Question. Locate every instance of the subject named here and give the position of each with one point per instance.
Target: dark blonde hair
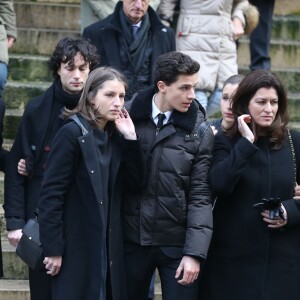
(245, 92)
(94, 83)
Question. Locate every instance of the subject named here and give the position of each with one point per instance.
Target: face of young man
(73, 74)
(135, 9)
(178, 95)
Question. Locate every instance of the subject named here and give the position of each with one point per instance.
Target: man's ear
(161, 86)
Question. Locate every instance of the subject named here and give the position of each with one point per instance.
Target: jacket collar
(141, 110)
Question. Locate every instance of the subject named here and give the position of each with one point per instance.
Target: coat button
(82, 141)
(111, 263)
(101, 202)
(92, 171)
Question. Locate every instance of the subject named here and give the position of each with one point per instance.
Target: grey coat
(7, 27)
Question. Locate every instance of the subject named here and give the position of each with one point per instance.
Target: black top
(104, 157)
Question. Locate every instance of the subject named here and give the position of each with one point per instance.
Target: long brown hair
(245, 92)
(94, 83)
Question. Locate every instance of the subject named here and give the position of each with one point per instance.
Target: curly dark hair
(246, 91)
(66, 50)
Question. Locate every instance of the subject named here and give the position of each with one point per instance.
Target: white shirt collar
(156, 112)
(139, 24)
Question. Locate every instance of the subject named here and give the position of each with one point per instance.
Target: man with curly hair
(71, 62)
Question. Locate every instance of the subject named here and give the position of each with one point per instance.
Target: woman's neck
(226, 125)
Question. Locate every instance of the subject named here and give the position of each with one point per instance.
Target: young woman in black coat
(255, 249)
(79, 204)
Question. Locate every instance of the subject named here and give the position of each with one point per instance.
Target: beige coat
(7, 27)
(204, 31)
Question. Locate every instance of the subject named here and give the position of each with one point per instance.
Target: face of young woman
(225, 104)
(263, 107)
(109, 100)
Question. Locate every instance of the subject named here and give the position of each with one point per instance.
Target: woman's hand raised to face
(125, 125)
(244, 129)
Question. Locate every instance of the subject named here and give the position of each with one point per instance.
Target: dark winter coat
(74, 222)
(174, 208)
(21, 192)
(106, 34)
(247, 260)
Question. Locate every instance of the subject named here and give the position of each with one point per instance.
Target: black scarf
(136, 47)
(64, 98)
(61, 99)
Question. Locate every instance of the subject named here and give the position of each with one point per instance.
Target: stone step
(13, 116)
(10, 126)
(19, 290)
(34, 69)
(28, 68)
(40, 41)
(286, 28)
(67, 16)
(39, 35)
(17, 93)
(157, 292)
(13, 266)
(1, 196)
(294, 108)
(289, 76)
(284, 54)
(47, 15)
(14, 289)
(287, 7)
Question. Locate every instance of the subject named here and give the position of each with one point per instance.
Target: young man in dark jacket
(169, 225)
(130, 40)
(70, 64)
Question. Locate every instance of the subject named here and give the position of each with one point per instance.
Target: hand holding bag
(29, 247)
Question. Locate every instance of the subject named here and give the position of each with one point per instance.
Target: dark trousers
(261, 35)
(141, 262)
(40, 285)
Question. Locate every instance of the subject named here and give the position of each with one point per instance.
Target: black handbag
(29, 247)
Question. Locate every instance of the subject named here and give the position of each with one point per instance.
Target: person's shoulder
(35, 100)
(97, 25)
(69, 130)
(295, 135)
(35, 103)
(157, 24)
(225, 138)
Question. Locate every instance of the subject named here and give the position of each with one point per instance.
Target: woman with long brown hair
(255, 249)
(79, 204)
